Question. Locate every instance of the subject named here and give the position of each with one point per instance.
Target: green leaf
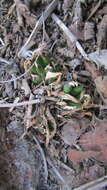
(39, 67)
(43, 61)
(76, 90)
(50, 125)
(34, 70)
(71, 103)
(67, 88)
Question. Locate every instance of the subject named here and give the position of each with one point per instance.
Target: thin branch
(42, 19)
(70, 36)
(94, 185)
(24, 103)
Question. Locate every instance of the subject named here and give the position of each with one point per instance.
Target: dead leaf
(50, 75)
(89, 32)
(101, 85)
(79, 156)
(25, 87)
(102, 32)
(77, 31)
(99, 57)
(93, 144)
(61, 103)
(71, 132)
(92, 69)
(23, 12)
(95, 140)
(92, 173)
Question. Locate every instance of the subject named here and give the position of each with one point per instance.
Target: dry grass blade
(94, 185)
(44, 16)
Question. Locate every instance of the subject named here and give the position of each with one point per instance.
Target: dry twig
(24, 103)
(94, 185)
(69, 35)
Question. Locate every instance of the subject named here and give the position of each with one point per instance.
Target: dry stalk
(24, 103)
(42, 19)
(94, 185)
(70, 36)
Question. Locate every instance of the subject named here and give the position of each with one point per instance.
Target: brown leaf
(89, 32)
(92, 69)
(96, 140)
(93, 143)
(79, 156)
(102, 157)
(102, 32)
(71, 132)
(101, 85)
(92, 173)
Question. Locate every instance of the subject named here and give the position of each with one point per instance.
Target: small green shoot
(39, 69)
(74, 91)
